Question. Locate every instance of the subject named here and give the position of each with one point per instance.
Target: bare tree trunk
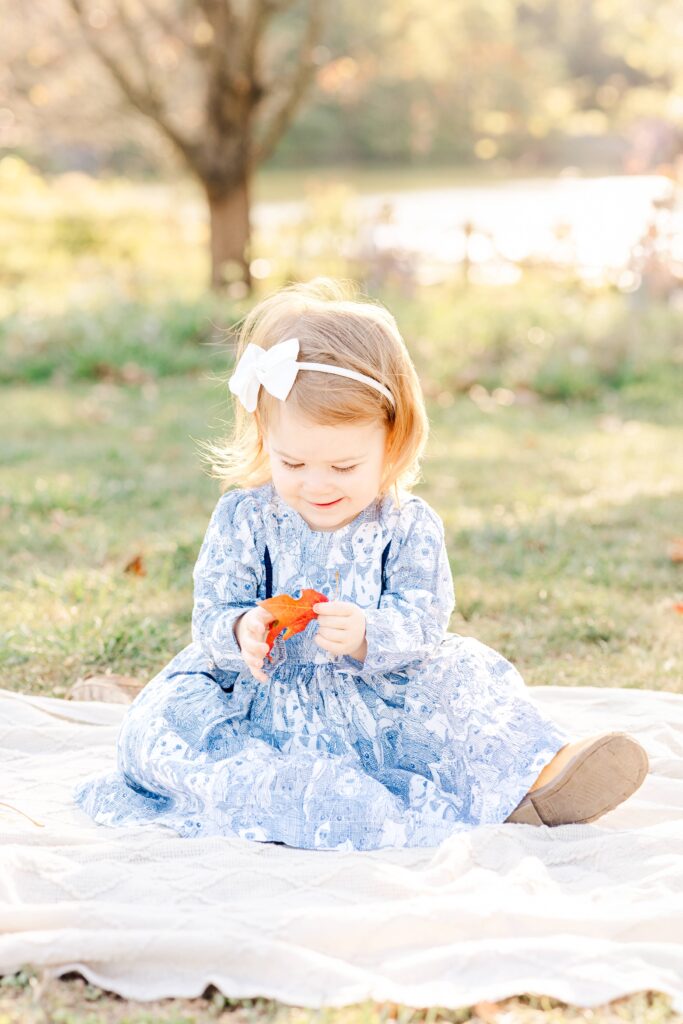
(223, 150)
(230, 236)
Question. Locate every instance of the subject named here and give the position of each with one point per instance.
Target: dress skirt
(431, 734)
(325, 761)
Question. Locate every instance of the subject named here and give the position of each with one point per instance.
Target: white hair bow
(276, 369)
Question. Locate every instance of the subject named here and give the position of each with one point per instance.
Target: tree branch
(293, 92)
(147, 102)
(225, 85)
(215, 10)
(255, 22)
(170, 27)
(278, 6)
(133, 38)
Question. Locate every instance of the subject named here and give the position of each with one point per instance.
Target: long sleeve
(226, 577)
(416, 606)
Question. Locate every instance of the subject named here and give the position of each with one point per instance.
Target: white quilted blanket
(583, 913)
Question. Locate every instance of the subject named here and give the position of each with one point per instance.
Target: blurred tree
(535, 82)
(236, 109)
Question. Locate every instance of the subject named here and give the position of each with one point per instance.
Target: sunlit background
(506, 175)
(403, 143)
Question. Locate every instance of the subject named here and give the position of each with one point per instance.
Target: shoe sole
(596, 780)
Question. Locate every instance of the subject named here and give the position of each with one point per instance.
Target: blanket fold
(582, 913)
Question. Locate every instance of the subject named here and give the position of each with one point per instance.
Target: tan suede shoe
(596, 780)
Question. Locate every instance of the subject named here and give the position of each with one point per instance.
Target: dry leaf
(676, 550)
(291, 614)
(136, 566)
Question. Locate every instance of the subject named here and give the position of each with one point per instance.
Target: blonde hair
(332, 327)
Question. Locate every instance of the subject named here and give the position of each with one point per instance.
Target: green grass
(131, 341)
(558, 518)
(28, 998)
(555, 460)
(560, 341)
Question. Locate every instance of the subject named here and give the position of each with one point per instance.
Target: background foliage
(534, 82)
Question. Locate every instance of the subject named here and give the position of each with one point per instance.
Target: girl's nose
(320, 490)
(319, 482)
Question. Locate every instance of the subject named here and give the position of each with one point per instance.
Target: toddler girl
(374, 727)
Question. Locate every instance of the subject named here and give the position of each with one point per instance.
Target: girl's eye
(298, 465)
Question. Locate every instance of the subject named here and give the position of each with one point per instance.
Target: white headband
(276, 368)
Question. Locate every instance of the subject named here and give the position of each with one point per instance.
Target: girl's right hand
(250, 630)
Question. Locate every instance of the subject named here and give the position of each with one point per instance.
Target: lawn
(555, 459)
(560, 520)
(28, 998)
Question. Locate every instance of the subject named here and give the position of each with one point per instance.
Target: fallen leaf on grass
(676, 550)
(136, 566)
(291, 614)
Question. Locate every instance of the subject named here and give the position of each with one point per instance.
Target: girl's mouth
(326, 504)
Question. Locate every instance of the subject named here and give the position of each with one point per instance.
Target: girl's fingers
(255, 647)
(256, 670)
(334, 619)
(329, 645)
(255, 652)
(328, 608)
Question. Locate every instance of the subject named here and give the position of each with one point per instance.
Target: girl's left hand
(341, 627)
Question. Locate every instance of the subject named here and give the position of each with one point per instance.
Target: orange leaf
(678, 607)
(291, 614)
(136, 566)
(676, 550)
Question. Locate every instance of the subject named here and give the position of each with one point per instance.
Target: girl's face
(328, 474)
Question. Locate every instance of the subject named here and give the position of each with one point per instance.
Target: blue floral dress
(432, 734)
